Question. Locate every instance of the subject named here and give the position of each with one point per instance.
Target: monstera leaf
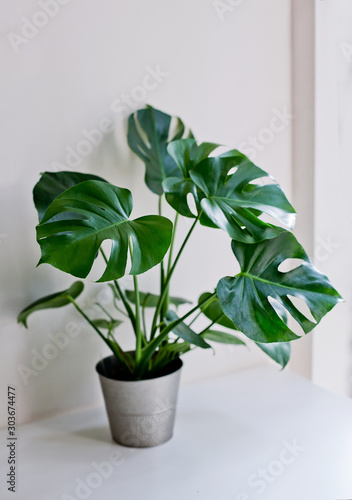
(245, 297)
(52, 301)
(149, 133)
(51, 184)
(100, 211)
(232, 201)
(187, 154)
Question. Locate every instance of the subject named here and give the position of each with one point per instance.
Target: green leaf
(279, 352)
(51, 184)
(187, 154)
(52, 301)
(222, 337)
(151, 300)
(184, 332)
(100, 211)
(107, 324)
(231, 200)
(212, 310)
(149, 133)
(245, 297)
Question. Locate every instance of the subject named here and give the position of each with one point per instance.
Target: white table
(257, 434)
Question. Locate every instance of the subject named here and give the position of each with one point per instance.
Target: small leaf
(222, 337)
(54, 300)
(107, 324)
(278, 351)
(212, 310)
(151, 300)
(184, 332)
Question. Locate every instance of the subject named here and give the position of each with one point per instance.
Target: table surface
(260, 433)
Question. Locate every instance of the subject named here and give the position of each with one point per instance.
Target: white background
(227, 77)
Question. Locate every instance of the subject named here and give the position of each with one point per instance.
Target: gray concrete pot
(141, 413)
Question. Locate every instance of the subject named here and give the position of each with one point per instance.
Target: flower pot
(141, 413)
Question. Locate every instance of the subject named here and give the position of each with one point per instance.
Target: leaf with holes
(100, 211)
(245, 297)
(232, 202)
(187, 154)
(51, 184)
(149, 133)
(52, 301)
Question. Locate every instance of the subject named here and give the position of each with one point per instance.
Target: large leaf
(245, 297)
(232, 201)
(184, 332)
(151, 300)
(51, 184)
(52, 301)
(100, 211)
(149, 133)
(278, 351)
(187, 154)
(222, 337)
(212, 310)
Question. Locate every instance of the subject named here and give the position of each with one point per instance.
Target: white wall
(227, 78)
(332, 346)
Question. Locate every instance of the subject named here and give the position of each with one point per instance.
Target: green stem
(195, 317)
(148, 351)
(168, 278)
(172, 244)
(116, 349)
(122, 296)
(104, 310)
(139, 333)
(211, 324)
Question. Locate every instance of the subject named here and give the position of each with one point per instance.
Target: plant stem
(211, 324)
(172, 243)
(122, 296)
(195, 317)
(116, 349)
(104, 310)
(139, 333)
(148, 351)
(168, 278)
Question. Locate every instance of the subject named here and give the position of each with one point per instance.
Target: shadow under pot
(141, 412)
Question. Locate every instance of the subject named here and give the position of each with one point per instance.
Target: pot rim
(177, 361)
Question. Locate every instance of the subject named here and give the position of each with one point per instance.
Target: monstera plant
(219, 190)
